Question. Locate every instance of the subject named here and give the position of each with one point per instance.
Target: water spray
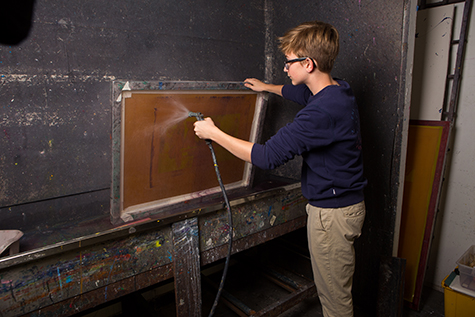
(199, 117)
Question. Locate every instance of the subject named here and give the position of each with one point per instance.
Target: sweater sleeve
(275, 152)
(299, 94)
(257, 156)
(310, 129)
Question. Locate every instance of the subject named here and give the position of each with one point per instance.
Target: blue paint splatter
(59, 278)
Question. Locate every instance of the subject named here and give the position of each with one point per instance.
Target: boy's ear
(311, 65)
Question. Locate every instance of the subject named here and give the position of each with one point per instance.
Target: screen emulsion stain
(162, 157)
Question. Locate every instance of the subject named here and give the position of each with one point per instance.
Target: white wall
(455, 224)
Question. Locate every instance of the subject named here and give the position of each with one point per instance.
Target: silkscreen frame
(169, 206)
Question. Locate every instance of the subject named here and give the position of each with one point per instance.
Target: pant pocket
(354, 219)
(320, 218)
(355, 210)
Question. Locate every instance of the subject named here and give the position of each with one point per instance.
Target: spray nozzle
(197, 115)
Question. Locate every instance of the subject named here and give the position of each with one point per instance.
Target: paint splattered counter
(69, 277)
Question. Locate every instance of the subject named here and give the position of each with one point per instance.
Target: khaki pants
(331, 233)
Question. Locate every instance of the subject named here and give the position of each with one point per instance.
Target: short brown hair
(317, 40)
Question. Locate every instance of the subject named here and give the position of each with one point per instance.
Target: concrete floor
(164, 305)
(432, 305)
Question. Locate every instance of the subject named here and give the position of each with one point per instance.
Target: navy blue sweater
(327, 135)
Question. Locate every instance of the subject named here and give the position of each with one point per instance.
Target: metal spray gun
(197, 115)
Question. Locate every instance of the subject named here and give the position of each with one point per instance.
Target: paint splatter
(59, 278)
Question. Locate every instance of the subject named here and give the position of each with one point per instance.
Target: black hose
(199, 117)
(230, 220)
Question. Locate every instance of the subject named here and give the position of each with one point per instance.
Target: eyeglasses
(289, 62)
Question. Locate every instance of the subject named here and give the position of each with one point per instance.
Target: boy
(326, 134)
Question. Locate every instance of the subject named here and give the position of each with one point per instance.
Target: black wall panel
(55, 92)
(55, 138)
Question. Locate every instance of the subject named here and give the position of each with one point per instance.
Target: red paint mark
(133, 223)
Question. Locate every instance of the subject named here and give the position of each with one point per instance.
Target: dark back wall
(55, 95)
